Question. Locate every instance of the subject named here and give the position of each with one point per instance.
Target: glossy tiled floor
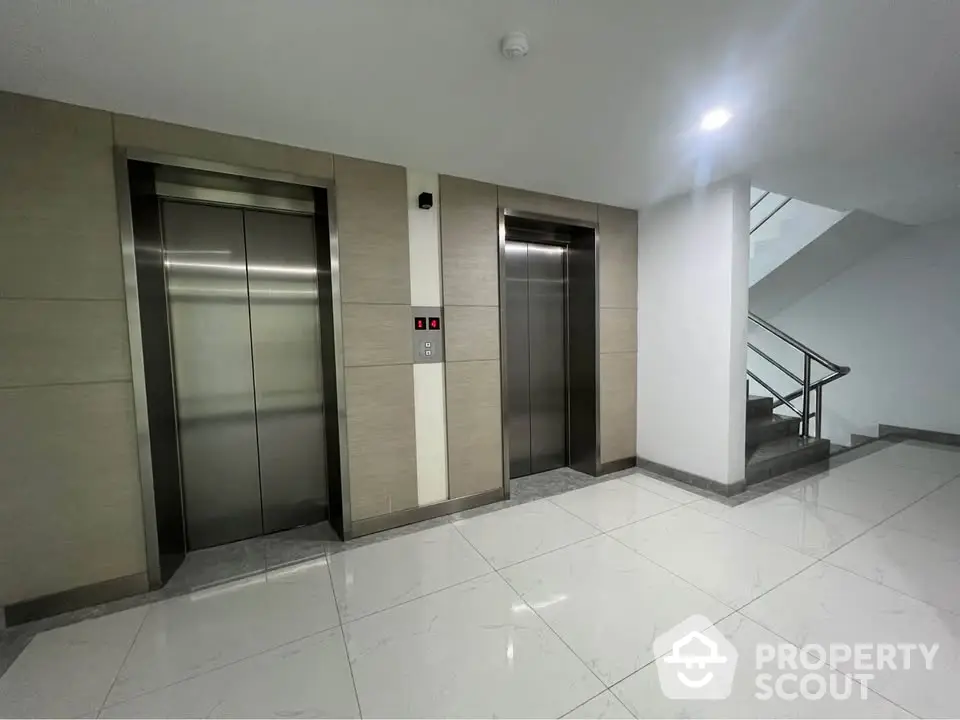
(547, 608)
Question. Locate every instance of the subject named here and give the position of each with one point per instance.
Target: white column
(692, 265)
(428, 378)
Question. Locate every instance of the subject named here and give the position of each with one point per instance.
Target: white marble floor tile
(660, 487)
(473, 650)
(921, 456)
(922, 568)
(732, 564)
(608, 603)
(196, 633)
(518, 533)
(68, 671)
(934, 517)
(604, 706)
(309, 678)
(855, 497)
(825, 604)
(873, 472)
(378, 576)
(612, 504)
(642, 695)
(807, 527)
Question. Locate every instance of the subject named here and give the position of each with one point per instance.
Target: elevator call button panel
(427, 335)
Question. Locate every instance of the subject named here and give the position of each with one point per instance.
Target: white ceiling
(848, 103)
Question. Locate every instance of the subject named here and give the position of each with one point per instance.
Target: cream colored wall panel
(474, 435)
(377, 335)
(469, 241)
(231, 149)
(473, 333)
(373, 232)
(59, 235)
(429, 401)
(70, 513)
(424, 230)
(514, 199)
(62, 341)
(618, 330)
(381, 434)
(618, 406)
(618, 257)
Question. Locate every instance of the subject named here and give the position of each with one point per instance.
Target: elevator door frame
(583, 357)
(133, 246)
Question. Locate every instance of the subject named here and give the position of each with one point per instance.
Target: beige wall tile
(469, 242)
(59, 235)
(473, 333)
(618, 406)
(618, 257)
(62, 341)
(70, 513)
(373, 232)
(377, 335)
(514, 199)
(474, 435)
(618, 330)
(231, 149)
(382, 440)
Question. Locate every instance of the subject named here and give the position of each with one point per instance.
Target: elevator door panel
(548, 368)
(210, 330)
(285, 330)
(518, 359)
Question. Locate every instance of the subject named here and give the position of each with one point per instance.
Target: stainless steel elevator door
(244, 318)
(213, 369)
(536, 357)
(285, 331)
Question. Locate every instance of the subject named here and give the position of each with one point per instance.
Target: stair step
(771, 427)
(758, 406)
(777, 457)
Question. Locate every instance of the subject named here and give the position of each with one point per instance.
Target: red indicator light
(419, 323)
(434, 323)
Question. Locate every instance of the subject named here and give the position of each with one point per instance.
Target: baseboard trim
(49, 605)
(368, 526)
(698, 481)
(617, 465)
(933, 436)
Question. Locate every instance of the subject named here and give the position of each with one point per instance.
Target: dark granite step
(777, 457)
(759, 406)
(771, 427)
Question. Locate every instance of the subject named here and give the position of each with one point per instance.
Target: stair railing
(808, 386)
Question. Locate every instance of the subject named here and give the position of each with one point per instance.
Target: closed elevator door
(536, 357)
(242, 289)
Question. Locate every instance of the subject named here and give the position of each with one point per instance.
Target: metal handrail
(807, 385)
(777, 209)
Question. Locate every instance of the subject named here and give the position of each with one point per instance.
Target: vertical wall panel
(618, 257)
(514, 199)
(618, 406)
(469, 242)
(474, 436)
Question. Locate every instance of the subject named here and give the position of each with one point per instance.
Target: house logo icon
(695, 661)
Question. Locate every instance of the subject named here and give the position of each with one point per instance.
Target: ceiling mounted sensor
(514, 45)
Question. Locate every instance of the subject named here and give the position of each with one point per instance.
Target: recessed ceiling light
(715, 119)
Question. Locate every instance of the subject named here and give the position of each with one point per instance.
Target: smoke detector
(514, 45)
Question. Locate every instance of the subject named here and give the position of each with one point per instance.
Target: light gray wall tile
(618, 406)
(473, 333)
(514, 199)
(70, 513)
(618, 257)
(381, 439)
(618, 330)
(63, 341)
(59, 234)
(218, 147)
(474, 435)
(377, 335)
(373, 232)
(469, 242)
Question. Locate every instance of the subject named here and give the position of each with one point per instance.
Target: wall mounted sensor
(514, 45)
(425, 201)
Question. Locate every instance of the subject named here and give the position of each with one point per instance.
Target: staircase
(774, 443)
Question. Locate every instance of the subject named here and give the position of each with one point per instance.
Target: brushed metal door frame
(517, 350)
(587, 247)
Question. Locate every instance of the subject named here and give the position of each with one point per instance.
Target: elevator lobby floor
(550, 607)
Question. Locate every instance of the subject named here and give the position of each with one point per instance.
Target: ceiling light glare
(715, 119)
